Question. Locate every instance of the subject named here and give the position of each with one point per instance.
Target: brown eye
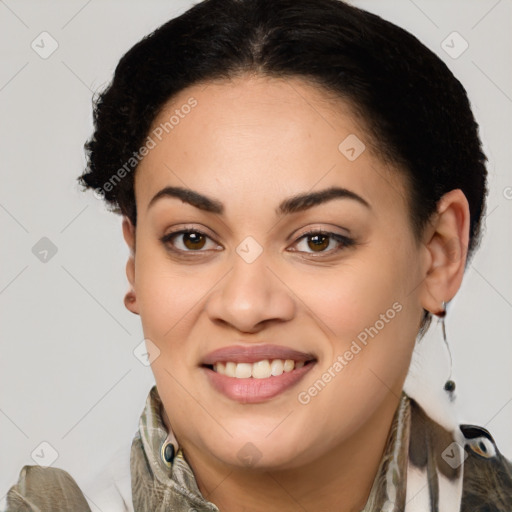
(318, 242)
(193, 240)
(322, 242)
(188, 240)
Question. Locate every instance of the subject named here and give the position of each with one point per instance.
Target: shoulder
(47, 488)
(487, 473)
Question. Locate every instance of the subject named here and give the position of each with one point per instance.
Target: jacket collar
(156, 485)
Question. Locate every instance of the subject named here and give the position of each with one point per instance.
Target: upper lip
(252, 354)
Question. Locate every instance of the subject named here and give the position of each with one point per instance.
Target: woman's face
(248, 279)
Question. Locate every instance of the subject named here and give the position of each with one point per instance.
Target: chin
(260, 454)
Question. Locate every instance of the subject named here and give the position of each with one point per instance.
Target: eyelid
(320, 229)
(180, 228)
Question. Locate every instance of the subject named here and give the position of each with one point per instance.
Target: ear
(446, 242)
(130, 299)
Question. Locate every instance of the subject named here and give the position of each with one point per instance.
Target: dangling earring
(449, 385)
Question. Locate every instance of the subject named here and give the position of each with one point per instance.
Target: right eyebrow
(189, 196)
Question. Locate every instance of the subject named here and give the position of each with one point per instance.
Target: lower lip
(251, 390)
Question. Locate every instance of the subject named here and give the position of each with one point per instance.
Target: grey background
(68, 375)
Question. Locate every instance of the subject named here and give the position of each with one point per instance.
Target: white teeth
(230, 369)
(289, 365)
(276, 368)
(259, 370)
(243, 370)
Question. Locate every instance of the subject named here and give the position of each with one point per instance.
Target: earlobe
(130, 302)
(447, 243)
(130, 299)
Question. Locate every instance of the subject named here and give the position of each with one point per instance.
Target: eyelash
(345, 242)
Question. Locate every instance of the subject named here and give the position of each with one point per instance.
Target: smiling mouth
(263, 369)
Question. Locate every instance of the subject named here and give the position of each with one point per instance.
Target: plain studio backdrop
(68, 374)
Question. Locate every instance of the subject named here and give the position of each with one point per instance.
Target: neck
(338, 480)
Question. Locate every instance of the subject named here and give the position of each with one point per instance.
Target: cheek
(368, 315)
(352, 296)
(166, 295)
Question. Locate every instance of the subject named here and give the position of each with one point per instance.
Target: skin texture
(250, 143)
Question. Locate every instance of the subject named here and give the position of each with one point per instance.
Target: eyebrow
(293, 204)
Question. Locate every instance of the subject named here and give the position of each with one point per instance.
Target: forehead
(262, 137)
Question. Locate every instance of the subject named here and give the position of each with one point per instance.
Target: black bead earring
(449, 385)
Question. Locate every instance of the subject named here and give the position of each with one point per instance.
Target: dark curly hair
(416, 112)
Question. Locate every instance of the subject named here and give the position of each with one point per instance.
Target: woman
(302, 184)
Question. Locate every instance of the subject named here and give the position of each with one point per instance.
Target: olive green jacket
(424, 468)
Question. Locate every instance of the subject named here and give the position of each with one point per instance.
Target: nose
(250, 297)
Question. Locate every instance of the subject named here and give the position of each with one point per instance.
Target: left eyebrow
(293, 204)
(302, 202)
